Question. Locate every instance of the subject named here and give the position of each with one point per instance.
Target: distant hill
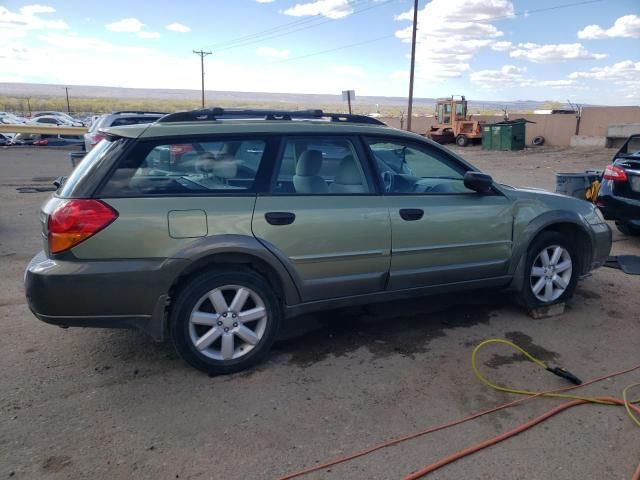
(298, 99)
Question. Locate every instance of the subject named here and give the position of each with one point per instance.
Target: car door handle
(410, 214)
(280, 218)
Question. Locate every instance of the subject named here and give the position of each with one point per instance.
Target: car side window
(410, 168)
(320, 165)
(190, 167)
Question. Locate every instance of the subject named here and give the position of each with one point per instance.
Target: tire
(531, 295)
(627, 229)
(462, 141)
(537, 141)
(226, 343)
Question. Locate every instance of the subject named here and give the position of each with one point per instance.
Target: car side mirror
(478, 182)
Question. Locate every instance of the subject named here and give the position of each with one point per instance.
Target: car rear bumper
(620, 209)
(113, 294)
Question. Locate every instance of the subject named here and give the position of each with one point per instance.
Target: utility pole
(413, 63)
(66, 89)
(349, 100)
(202, 55)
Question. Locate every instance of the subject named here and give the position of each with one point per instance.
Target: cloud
(265, 1)
(272, 52)
(18, 24)
(148, 35)
(30, 10)
(501, 46)
(627, 26)
(625, 75)
(553, 53)
(566, 83)
(333, 9)
(507, 76)
(347, 70)
(451, 32)
(127, 25)
(178, 27)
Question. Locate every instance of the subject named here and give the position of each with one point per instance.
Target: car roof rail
(138, 112)
(217, 113)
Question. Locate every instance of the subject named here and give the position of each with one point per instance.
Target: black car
(619, 195)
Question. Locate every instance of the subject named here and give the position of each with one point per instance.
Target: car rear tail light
(41, 143)
(73, 221)
(96, 138)
(615, 173)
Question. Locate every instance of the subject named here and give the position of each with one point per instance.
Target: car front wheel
(551, 271)
(223, 322)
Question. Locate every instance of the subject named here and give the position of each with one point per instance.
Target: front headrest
(225, 166)
(348, 172)
(309, 163)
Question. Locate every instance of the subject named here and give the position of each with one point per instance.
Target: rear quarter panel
(142, 227)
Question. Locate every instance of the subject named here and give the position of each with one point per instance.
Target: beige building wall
(556, 129)
(596, 120)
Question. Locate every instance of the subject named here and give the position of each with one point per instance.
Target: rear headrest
(348, 172)
(309, 163)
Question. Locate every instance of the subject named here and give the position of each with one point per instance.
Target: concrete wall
(596, 120)
(556, 129)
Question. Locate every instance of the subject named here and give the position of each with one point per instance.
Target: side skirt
(385, 296)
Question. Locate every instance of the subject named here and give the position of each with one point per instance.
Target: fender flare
(244, 245)
(531, 231)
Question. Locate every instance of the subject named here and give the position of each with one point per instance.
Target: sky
(583, 51)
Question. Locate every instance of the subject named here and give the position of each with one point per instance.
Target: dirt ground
(104, 404)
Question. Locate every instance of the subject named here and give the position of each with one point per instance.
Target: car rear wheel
(223, 322)
(627, 229)
(551, 271)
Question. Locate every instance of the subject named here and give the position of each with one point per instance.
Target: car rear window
(198, 166)
(118, 122)
(89, 164)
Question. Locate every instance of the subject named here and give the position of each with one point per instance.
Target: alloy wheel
(551, 273)
(228, 322)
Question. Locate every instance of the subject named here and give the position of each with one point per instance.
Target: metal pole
(202, 55)
(413, 63)
(66, 89)
(349, 100)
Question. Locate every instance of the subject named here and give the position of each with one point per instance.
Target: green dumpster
(507, 135)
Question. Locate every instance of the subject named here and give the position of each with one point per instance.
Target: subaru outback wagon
(208, 227)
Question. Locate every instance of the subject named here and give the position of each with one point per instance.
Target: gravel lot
(107, 404)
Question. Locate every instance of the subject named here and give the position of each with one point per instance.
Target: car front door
(442, 232)
(324, 218)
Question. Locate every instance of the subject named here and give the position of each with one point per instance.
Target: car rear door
(324, 218)
(442, 232)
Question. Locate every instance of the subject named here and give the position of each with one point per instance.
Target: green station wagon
(208, 227)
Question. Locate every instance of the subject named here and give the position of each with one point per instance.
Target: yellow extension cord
(544, 366)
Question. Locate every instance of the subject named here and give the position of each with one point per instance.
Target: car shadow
(402, 327)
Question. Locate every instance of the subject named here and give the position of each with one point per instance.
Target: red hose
(511, 433)
(411, 436)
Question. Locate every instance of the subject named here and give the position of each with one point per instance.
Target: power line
(301, 28)
(300, 57)
(202, 55)
(376, 39)
(298, 22)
